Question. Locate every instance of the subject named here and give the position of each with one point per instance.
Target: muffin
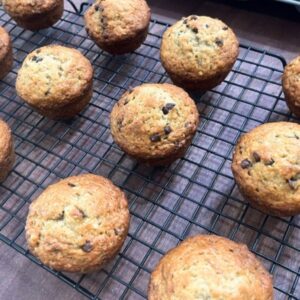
(118, 26)
(199, 52)
(291, 85)
(6, 55)
(78, 224)
(154, 123)
(34, 15)
(210, 267)
(7, 153)
(64, 78)
(266, 167)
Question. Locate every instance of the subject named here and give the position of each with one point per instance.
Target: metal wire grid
(196, 194)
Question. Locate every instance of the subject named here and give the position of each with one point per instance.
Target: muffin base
(6, 165)
(122, 46)
(199, 85)
(41, 21)
(67, 111)
(163, 160)
(6, 63)
(291, 210)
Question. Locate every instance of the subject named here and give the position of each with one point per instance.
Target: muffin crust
(210, 267)
(118, 26)
(199, 52)
(155, 123)
(266, 168)
(291, 85)
(78, 224)
(64, 77)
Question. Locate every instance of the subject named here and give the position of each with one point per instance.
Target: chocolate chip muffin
(291, 85)
(7, 153)
(78, 224)
(34, 14)
(64, 78)
(118, 26)
(210, 267)
(6, 55)
(155, 123)
(198, 52)
(266, 167)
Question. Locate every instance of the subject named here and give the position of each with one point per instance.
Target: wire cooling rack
(196, 194)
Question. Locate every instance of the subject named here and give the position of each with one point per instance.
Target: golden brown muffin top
(78, 223)
(4, 43)
(114, 20)
(210, 267)
(61, 74)
(266, 163)
(5, 140)
(199, 46)
(291, 81)
(153, 120)
(26, 8)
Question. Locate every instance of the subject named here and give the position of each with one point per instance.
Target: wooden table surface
(20, 278)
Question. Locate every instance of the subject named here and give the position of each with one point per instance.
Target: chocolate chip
(167, 129)
(293, 183)
(87, 247)
(270, 162)
(126, 101)
(256, 156)
(71, 184)
(193, 17)
(97, 7)
(225, 28)
(120, 123)
(47, 92)
(106, 36)
(117, 231)
(130, 89)
(38, 51)
(87, 30)
(195, 29)
(61, 216)
(36, 59)
(206, 25)
(169, 106)
(246, 163)
(185, 21)
(155, 138)
(219, 42)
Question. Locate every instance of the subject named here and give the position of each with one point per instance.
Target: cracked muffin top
(291, 85)
(199, 47)
(266, 166)
(78, 224)
(5, 43)
(61, 74)
(115, 20)
(210, 267)
(153, 121)
(24, 8)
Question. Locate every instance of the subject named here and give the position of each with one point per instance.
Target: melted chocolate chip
(195, 29)
(225, 28)
(167, 129)
(169, 106)
(256, 156)
(219, 42)
(71, 184)
(270, 162)
(155, 138)
(246, 163)
(293, 183)
(61, 216)
(36, 59)
(87, 247)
